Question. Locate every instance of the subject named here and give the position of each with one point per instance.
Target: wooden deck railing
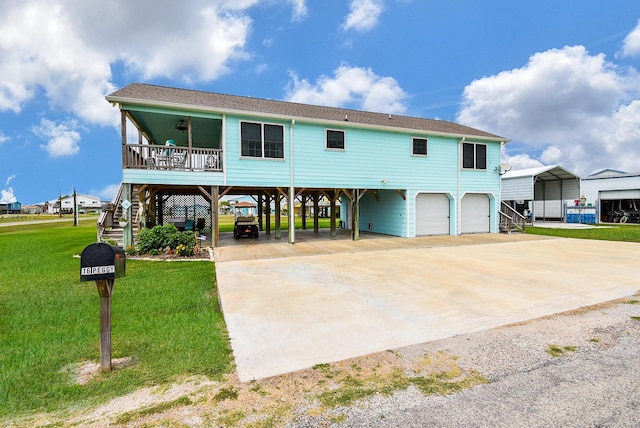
(147, 156)
(510, 219)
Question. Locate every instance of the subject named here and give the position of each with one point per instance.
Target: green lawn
(627, 232)
(226, 223)
(165, 317)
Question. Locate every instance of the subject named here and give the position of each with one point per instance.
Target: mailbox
(102, 261)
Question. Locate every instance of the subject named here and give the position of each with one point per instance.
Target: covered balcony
(158, 141)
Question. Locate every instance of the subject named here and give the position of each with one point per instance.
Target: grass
(226, 223)
(352, 387)
(628, 233)
(165, 317)
(559, 351)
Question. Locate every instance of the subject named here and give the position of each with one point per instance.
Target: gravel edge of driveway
(597, 384)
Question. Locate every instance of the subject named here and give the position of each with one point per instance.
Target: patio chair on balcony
(164, 156)
(211, 162)
(179, 160)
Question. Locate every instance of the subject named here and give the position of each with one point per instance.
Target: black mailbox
(101, 261)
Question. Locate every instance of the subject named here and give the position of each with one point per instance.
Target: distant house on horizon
(86, 204)
(10, 208)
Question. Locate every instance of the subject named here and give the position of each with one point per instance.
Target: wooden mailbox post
(103, 263)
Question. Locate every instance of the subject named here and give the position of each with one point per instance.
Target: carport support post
(355, 206)
(332, 212)
(303, 211)
(278, 215)
(105, 289)
(215, 217)
(267, 214)
(316, 203)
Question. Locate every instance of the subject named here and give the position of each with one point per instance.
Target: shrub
(160, 237)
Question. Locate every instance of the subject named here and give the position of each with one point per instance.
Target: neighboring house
(541, 193)
(394, 175)
(244, 208)
(10, 208)
(86, 204)
(32, 209)
(612, 192)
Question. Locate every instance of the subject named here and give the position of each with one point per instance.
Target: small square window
(420, 146)
(334, 139)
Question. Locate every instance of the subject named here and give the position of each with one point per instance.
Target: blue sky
(561, 80)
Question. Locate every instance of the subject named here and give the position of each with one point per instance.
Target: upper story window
(261, 140)
(419, 146)
(474, 156)
(334, 139)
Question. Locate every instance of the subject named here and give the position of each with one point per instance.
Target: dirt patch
(84, 372)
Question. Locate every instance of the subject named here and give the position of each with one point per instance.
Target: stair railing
(510, 218)
(106, 218)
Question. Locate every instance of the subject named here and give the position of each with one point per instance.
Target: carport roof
(542, 173)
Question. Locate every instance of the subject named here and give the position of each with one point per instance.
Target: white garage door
(475, 213)
(432, 214)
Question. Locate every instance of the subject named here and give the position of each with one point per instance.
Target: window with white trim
(261, 140)
(419, 147)
(474, 156)
(334, 139)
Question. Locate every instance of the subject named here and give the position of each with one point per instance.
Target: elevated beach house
(183, 150)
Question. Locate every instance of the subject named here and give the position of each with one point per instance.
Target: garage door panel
(432, 214)
(475, 210)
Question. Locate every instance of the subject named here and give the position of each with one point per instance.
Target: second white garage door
(475, 213)
(432, 214)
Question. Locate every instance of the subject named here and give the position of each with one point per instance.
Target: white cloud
(363, 15)
(63, 138)
(7, 196)
(576, 109)
(352, 87)
(64, 50)
(521, 161)
(3, 138)
(631, 44)
(107, 193)
(299, 9)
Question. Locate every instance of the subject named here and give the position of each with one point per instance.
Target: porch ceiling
(161, 127)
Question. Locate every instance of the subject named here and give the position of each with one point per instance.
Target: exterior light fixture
(181, 126)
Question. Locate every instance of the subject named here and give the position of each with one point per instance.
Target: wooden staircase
(108, 222)
(511, 220)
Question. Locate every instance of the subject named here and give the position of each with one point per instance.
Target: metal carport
(540, 191)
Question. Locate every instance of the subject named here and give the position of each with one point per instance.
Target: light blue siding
(387, 214)
(181, 178)
(254, 172)
(375, 159)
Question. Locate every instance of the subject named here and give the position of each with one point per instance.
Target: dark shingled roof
(138, 93)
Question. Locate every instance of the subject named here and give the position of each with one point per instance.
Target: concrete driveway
(288, 307)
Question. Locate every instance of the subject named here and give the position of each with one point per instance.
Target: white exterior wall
(517, 189)
(591, 188)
